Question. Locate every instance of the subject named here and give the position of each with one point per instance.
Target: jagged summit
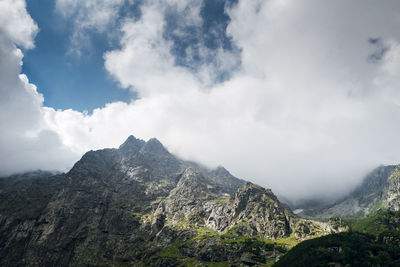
(154, 146)
(254, 190)
(220, 170)
(132, 144)
(155, 142)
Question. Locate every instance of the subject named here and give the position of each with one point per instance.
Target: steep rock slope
(139, 205)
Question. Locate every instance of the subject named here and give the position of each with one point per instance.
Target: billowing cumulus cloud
(17, 26)
(310, 106)
(25, 142)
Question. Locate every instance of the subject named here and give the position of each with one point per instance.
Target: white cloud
(16, 25)
(25, 143)
(145, 51)
(307, 113)
(387, 80)
(90, 15)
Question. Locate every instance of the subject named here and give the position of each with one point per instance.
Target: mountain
(379, 190)
(139, 205)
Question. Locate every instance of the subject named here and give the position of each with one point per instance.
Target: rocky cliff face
(139, 205)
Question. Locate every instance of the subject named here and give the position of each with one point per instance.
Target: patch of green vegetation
(262, 252)
(207, 197)
(318, 219)
(228, 235)
(253, 246)
(229, 239)
(268, 200)
(288, 242)
(146, 217)
(269, 263)
(234, 236)
(191, 262)
(291, 241)
(252, 242)
(206, 231)
(339, 224)
(378, 206)
(182, 224)
(352, 216)
(231, 231)
(220, 200)
(359, 214)
(236, 230)
(395, 174)
(171, 251)
(381, 222)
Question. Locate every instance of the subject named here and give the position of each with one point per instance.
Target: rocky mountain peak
(153, 146)
(131, 145)
(251, 197)
(220, 170)
(95, 164)
(253, 192)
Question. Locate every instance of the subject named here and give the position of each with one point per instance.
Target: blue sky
(68, 80)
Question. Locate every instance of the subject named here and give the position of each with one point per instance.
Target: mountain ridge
(140, 205)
